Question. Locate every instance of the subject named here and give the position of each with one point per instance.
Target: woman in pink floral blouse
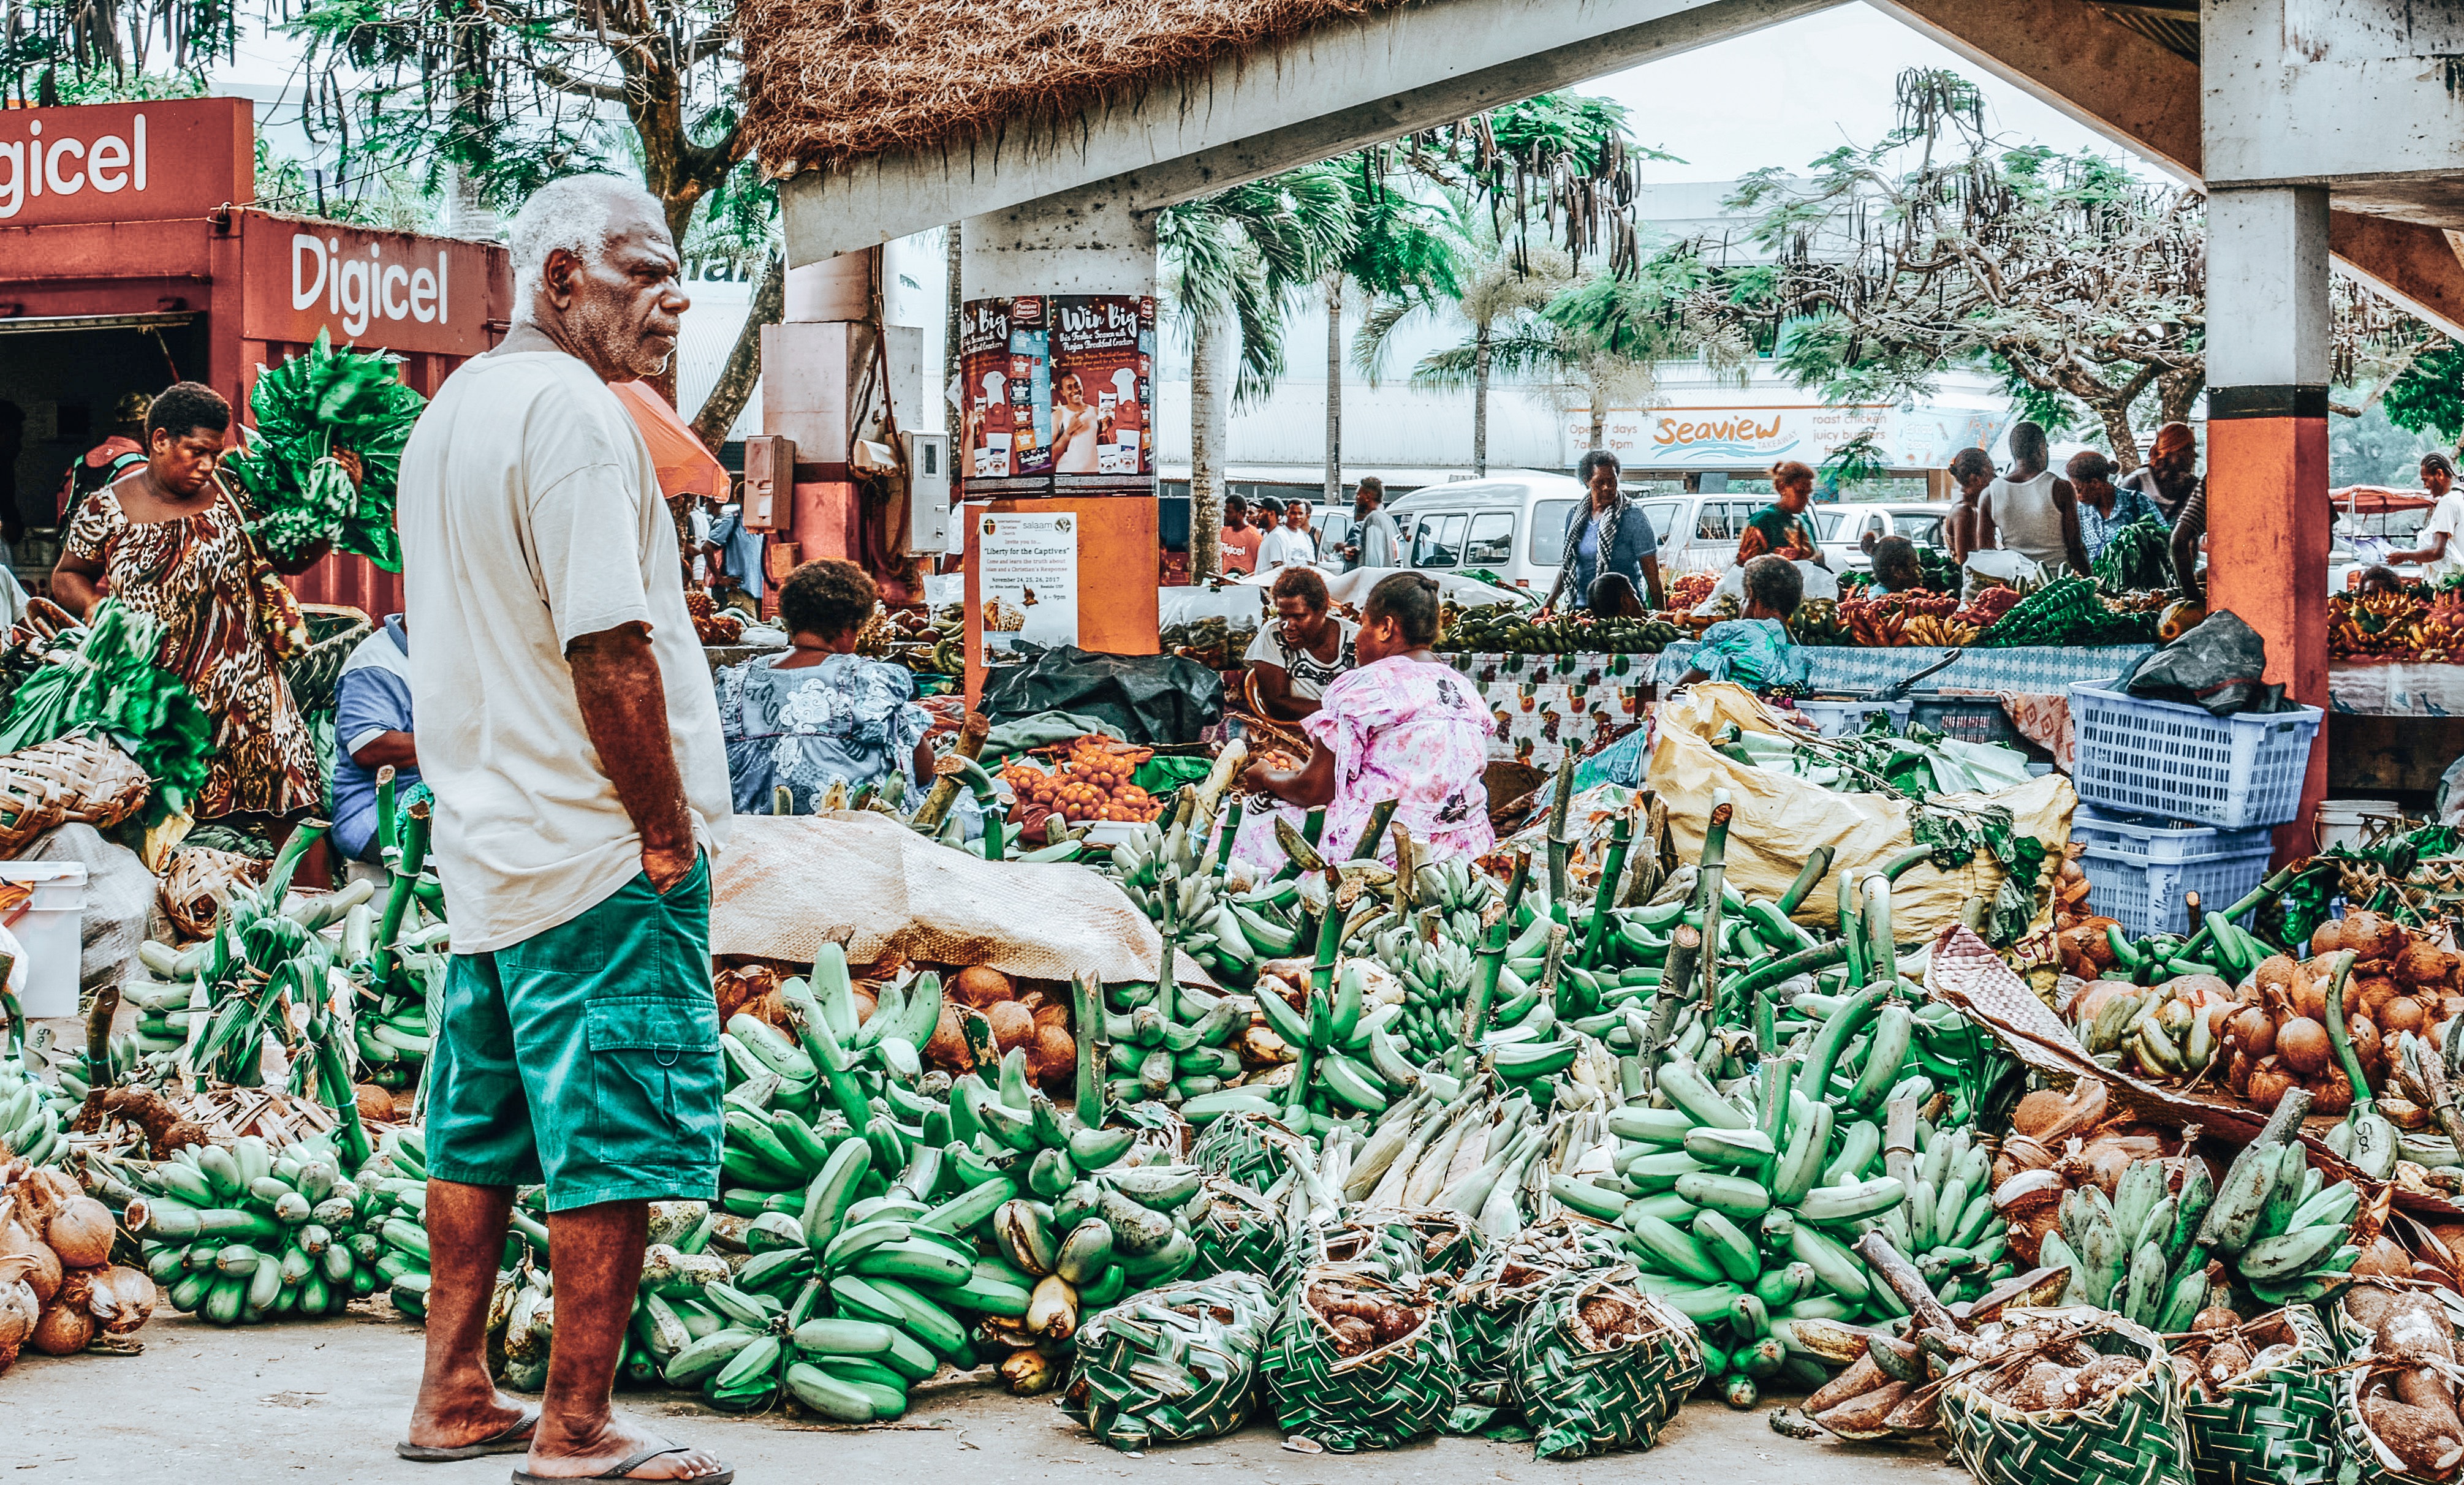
(1403, 725)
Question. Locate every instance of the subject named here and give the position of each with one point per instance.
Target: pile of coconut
(59, 1291)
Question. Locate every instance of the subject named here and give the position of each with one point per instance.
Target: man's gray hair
(572, 214)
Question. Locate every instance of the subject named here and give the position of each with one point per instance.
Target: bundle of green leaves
(108, 682)
(317, 416)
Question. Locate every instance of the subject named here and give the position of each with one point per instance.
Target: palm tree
(1604, 334)
(1399, 252)
(1238, 260)
(1501, 289)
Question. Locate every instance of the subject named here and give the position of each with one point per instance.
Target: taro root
(1353, 1335)
(1865, 1416)
(2044, 1386)
(1861, 1377)
(2421, 1441)
(2383, 1257)
(2226, 1359)
(2215, 1317)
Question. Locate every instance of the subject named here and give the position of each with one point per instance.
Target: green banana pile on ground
(252, 1233)
(33, 1114)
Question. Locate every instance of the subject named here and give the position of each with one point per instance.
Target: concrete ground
(325, 1401)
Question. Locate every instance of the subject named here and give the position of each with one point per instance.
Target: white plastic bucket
(52, 929)
(2345, 821)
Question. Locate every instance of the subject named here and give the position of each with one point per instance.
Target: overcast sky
(1779, 97)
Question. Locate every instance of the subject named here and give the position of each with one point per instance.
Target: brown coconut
(948, 1047)
(81, 1232)
(1013, 1024)
(1053, 1055)
(982, 986)
(122, 1300)
(64, 1330)
(2303, 1047)
(2331, 1093)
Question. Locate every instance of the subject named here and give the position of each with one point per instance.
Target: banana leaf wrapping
(1176, 1362)
(1492, 1299)
(2363, 1459)
(1331, 1380)
(2271, 1427)
(1238, 1231)
(1403, 1243)
(1598, 1364)
(1250, 1148)
(2135, 1436)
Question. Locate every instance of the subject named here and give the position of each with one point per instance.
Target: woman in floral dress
(170, 540)
(818, 713)
(1404, 726)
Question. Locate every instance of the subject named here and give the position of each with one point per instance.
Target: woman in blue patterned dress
(819, 712)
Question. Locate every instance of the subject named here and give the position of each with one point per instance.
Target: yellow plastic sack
(1779, 820)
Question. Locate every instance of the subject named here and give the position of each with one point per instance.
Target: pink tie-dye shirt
(1402, 729)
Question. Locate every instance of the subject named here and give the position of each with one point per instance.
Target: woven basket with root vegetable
(1598, 1364)
(1254, 1149)
(1359, 1361)
(1401, 1243)
(2069, 1397)
(2261, 1404)
(1172, 1364)
(2395, 1402)
(1486, 1309)
(1238, 1231)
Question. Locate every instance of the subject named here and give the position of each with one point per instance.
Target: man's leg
(595, 1254)
(458, 1402)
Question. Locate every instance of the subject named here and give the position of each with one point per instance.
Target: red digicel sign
(394, 289)
(125, 162)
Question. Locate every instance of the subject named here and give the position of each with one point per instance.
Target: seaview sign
(1731, 438)
(124, 162)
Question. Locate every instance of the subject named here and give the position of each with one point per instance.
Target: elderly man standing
(568, 729)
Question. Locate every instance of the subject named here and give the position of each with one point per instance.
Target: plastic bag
(1151, 698)
(2218, 667)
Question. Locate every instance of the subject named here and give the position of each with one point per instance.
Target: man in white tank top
(2032, 511)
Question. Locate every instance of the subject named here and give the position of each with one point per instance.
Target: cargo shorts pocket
(655, 1081)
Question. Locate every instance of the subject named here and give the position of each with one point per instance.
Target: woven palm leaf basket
(334, 631)
(1253, 1150)
(2372, 1452)
(2010, 1423)
(1238, 1231)
(2271, 1423)
(1358, 1360)
(1598, 1364)
(1493, 1298)
(1176, 1362)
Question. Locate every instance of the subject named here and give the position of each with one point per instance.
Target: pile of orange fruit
(1094, 782)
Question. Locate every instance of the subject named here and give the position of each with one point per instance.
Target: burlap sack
(786, 884)
(1779, 820)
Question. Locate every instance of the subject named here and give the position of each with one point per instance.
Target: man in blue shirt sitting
(372, 724)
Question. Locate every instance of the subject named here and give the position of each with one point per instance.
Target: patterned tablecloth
(2036, 668)
(2401, 689)
(1545, 704)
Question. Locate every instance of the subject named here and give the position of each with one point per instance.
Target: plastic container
(2346, 822)
(1969, 718)
(2138, 868)
(1835, 717)
(2177, 762)
(52, 929)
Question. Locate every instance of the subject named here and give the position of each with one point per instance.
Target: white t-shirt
(1310, 675)
(2448, 515)
(1284, 547)
(531, 515)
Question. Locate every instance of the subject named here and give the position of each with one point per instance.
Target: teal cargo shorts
(586, 1057)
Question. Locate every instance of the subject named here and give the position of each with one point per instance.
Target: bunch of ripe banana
(252, 1233)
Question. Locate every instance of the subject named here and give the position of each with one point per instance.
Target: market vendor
(1607, 534)
(2170, 476)
(1896, 568)
(2031, 509)
(2105, 506)
(1972, 471)
(1405, 726)
(1758, 651)
(372, 721)
(1728, 595)
(735, 563)
(1236, 543)
(817, 713)
(1294, 658)
(1784, 526)
(171, 542)
(2440, 555)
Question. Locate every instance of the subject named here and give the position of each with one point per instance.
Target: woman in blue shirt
(1607, 534)
(819, 712)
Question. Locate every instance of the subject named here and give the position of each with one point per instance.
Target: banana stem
(1714, 872)
(1620, 839)
(1087, 1006)
(1685, 945)
(944, 792)
(1561, 849)
(1380, 814)
(1224, 843)
(397, 892)
(1167, 973)
(1771, 972)
(2341, 1037)
(1810, 877)
(1484, 986)
(1852, 935)
(1881, 951)
(1516, 883)
(1329, 936)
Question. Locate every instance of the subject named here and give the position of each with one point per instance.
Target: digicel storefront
(131, 258)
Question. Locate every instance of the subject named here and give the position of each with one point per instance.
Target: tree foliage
(69, 51)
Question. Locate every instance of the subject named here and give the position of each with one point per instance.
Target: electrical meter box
(928, 493)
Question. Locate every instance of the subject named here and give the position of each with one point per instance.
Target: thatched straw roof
(833, 82)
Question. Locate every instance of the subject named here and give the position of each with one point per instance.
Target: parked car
(1842, 529)
(1512, 525)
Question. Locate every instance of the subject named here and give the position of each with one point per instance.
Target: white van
(1514, 525)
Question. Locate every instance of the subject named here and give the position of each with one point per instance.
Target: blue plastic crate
(2172, 761)
(2138, 869)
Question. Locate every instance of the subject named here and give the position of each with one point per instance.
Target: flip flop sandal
(514, 1437)
(725, 1474)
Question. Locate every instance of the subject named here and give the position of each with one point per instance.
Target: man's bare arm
(624, 709)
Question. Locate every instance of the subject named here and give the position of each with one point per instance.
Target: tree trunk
(1332, 493)
(1209, 393)
(1599, 414)
(953, 299)
(1480, 400)
(2178, 392)
(734, 386)
(2117, 432)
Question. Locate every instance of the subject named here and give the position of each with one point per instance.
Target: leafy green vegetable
(2137, 558)
(319, 416)
(109, 683)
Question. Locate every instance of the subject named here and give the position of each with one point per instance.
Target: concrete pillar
(2268, 517)
(1086, 241)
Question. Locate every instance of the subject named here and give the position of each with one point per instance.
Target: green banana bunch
(253, 1233)
(1174, 1053)
(35, 1115)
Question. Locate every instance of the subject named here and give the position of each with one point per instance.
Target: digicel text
(66, 165)
(357, 288)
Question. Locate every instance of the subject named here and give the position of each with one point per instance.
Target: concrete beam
(2415, 266)
(2363, 99)
(1336, 89)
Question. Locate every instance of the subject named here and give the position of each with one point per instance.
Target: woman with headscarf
(1606, 534)
(2170, 476)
